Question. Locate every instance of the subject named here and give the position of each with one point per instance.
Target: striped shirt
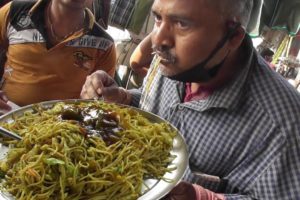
(247, 132)
(121, 12)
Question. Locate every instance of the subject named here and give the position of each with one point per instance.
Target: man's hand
(100, 84)
(183, 191)
(4, 107)
(187, 191)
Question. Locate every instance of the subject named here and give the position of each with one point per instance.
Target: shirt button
(180, 108)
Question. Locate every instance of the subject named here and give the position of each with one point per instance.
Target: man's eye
(157, 18)
(182, 25)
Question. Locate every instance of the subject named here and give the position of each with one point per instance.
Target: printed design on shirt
(82, 60)
(24, 36)
(24, 20)
(89, 41)
(8, 70)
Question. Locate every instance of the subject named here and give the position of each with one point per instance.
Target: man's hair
(239, 10)
(266, 52)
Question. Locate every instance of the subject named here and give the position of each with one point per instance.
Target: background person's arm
(4, 11)
(142, 56)
(107, 61)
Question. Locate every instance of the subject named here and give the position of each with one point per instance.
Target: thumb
(111, 93)
(116, 95)
(99, 89)
(4, 106)
(3, 97)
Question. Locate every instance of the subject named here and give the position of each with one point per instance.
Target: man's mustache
(164, 54)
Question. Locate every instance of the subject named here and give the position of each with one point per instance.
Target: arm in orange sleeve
(107, 61)
(4, 11)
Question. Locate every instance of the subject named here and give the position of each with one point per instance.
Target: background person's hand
(100, 84)
(4, 107)
(183, 191)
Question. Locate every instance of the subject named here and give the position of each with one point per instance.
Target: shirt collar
(230, 95)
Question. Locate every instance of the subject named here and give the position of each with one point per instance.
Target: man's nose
(163, 36)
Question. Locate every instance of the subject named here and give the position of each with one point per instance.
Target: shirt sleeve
(107, 61)
(135, 97)
(4, 11)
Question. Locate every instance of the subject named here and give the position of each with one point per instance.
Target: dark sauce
(95, 122)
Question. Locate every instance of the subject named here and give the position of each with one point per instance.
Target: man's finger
(97, 86)
(98, 82)
(89, 89)
(3, 96)
(112, 94)
(4, 106)
(106, 79)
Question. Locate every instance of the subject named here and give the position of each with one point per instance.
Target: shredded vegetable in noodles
(87, 150)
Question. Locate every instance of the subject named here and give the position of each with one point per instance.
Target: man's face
(185, 33)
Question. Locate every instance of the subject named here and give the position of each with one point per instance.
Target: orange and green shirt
(35, 71)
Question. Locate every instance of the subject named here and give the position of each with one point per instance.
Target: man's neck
(226, 73)
(65, 19)
(61, 14)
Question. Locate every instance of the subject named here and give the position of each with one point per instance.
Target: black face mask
(198, 73)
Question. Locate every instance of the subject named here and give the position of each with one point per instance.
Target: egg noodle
(57, 159)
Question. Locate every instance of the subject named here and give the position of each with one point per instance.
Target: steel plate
(157, 188)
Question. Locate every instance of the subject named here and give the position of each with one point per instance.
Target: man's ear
(236, 37)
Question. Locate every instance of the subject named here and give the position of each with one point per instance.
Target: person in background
(3, 2)
(51, 47)
(240, 120)
(141, 57)
(100, 9)
(268, 54)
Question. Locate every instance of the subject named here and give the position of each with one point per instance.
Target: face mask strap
(232, 28)
(198, 73)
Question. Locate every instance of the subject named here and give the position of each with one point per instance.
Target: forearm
(142, 55)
